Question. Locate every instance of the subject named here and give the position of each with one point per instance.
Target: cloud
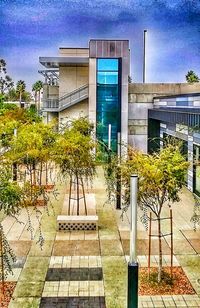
(29, 29)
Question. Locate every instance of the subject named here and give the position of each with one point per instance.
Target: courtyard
(89, 268)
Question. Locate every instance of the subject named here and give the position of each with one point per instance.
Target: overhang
(55, 62)
(187, 116)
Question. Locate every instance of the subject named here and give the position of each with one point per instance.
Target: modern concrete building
(93, 82)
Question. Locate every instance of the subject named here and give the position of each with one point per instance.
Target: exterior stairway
(67, 100)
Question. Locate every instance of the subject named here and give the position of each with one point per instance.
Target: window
(108, 100)
(196, 169)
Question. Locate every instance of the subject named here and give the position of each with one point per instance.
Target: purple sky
(29, 29)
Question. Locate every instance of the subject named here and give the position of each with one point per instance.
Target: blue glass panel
(182, 99)
(108, 100)
(107, 65)
(183, 103)
(107, 77)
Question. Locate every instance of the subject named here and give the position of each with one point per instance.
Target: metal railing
(51, 103)
(67, 100)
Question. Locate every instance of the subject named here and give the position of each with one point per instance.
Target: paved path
(89, 269)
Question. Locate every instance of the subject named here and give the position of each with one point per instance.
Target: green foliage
(10, 192)
(192, 77)
(33, 144)
(6, 107)
(32, 114)
(13, 117)
(6, 82)
(37, 86)
(2, 98)
(7, 257)
(161, 176)
(74, 149)
(21, 86)
(13, 96)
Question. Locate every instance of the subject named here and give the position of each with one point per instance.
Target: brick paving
(89, 269)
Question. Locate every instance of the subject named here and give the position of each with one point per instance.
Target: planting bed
(8, 291)
(178, 285)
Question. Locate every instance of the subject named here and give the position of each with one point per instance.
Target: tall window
(108, 100)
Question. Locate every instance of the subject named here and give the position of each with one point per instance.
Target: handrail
(73, 92)
(67, 100)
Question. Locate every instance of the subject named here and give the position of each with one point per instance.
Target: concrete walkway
(89, 269)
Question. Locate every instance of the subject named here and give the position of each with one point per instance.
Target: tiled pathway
(89, 269)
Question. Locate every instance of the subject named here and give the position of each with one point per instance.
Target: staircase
(66, 100)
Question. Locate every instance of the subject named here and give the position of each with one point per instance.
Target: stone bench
(70, 223)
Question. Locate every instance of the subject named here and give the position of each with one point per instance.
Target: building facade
(178, 116)
(93, 82)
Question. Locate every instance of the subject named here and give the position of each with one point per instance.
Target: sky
(30, 28)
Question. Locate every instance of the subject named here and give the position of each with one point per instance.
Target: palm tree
(37, 87)
(21, 86)
(192, 77)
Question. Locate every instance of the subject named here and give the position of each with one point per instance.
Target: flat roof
(177, 95)
(86, 48)
(123, 40)
(55, 62)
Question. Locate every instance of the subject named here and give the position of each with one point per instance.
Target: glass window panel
(107, 65)
(108, 100)
(107, 77)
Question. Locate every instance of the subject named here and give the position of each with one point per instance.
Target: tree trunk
(14, 171)
(41, 173)
(34, 173)
(39, 102)
(160, 250)
(20, 99)
(2, 263)
(47, 178)
(35, 99)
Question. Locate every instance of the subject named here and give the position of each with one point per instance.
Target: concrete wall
(92, 90)
(74, 52)
(141, 99)
(74, 112)
(72, 78)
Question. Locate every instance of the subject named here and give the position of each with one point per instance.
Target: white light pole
(133, 207)
(144, 56)
(133, 265)
(109, 136)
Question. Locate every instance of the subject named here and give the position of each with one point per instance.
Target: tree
(192, 77)
(20, 88)
(13, 96)
(37, 87)
(10, 204)
(74, 153)
(161, 176)
(6, 82)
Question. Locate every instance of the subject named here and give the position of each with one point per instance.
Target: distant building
(93, 82)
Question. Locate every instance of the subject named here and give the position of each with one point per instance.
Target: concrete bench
(70, 223)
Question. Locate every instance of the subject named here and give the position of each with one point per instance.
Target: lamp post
(109, 149)
(118, 196)
(133, 265)
(144, 56)
(15, 164)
